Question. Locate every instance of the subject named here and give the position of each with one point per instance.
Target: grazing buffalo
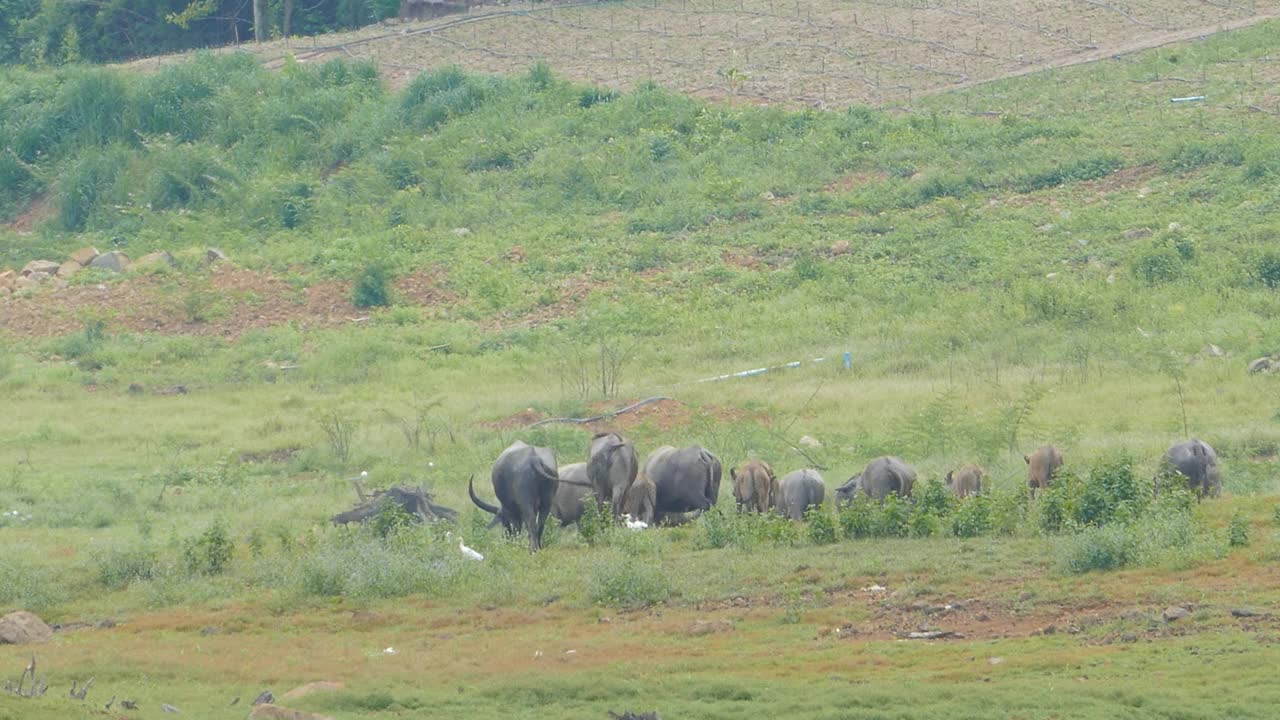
(612, 468)
(966, 481)
(754, 486)
(797, 492)
(880, 478)
(572, 493)
(684, 480)
(1041, 465)
(1198, 463)
(525, 481)
(641, 500)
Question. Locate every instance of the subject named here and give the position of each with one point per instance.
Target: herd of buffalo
(672, 482)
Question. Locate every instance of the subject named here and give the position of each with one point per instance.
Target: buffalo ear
(1027, 458)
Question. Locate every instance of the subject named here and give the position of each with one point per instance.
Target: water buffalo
(797, 492)
(525, 480)
(754, 486)
(612, 468)
(1198, 463)
(684, 480)
(1041, 465)
(641, 500)
(572, 492)
(878, 479)
(966, 481)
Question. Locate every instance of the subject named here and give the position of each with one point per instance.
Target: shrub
(717, 528)
(629, 583)
(1238, 530)
(822, 526)
(593, 526)
(372, 288)
(1266, 267)
(1099, 548)
(118, 567)
(925, 524)
(936, 498)
(210, 553)
(1059, 502)
(858, 518)
(391, 519)
(972, 517)
(894, 518)
(1112, 492)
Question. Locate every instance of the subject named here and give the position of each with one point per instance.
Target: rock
(208, 630)
(266, 697)
(1128, 638)
(1262, 365)
(1216, 351)
(708, 627)
(155, 259)
(461, 231)
(115, 261)
(48, 267)
(995, 661)
(105, 624)
(276, 712)
(312, 687)
(39, 277)
(1244, 613)
(1175, 612)
(24, 283)
(68, 268)
(7, 278)
(1137, 233)
(1050, 276)
(213, 255)
(810, 442)
(1175, 227)
(840, 247)
(23, 628)
(1111, 278)
(84, 256)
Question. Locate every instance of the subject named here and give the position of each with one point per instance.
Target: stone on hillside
(68, 268)
(84, 255)
(213, 255)
(23, 628)
(276, 712)
(155, 259)
(840, 247)
(39, 277)
(7, 278)
(1216, 351)
(24, 283)
(1174, 612)
(1262, 365)
(709, 627)
(115, 261)
(312, 687)
(1137, 233)
(48, 267)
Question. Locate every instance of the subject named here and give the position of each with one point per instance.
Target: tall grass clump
(361, 564)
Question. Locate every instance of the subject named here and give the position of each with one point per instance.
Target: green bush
(1238, 530)
(1111, 492)
(1266, 267)
(596, 520)
(858, 518)
(935, 497)
(628, 583)
(822, 526)
(372, 288)
(119, 566)
(210, 553)
(894, 517)
(972, 517)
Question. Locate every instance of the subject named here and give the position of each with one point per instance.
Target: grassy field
(1047, 258)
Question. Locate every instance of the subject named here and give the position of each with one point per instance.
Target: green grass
(963, 350)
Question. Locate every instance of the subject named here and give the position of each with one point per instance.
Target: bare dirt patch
(226, 301)
(819, 53)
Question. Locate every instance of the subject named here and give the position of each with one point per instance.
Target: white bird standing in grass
(466, 551)
(633, 524)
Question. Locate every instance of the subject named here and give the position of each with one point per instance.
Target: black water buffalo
(612, 468)
(1198, 463)
(880, 478)
(525, 480)
(685, 480)
(797, 492)
(572, 493)
(1041, 465)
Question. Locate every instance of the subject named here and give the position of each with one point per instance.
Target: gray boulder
(48, 267)
(115, 261)
(23, 628)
